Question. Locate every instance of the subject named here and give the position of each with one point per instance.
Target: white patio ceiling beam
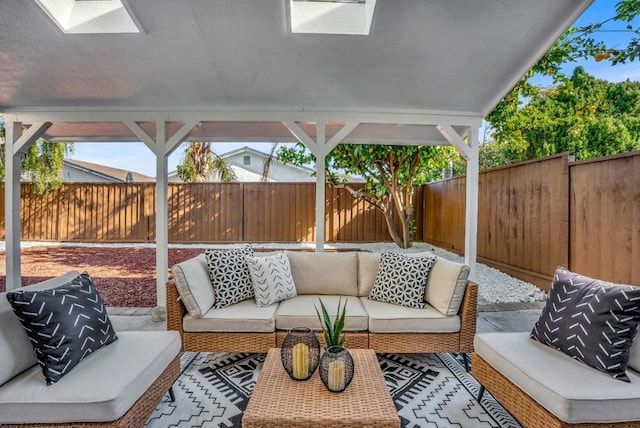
(399, 117)
(16, 144)
(320, 148)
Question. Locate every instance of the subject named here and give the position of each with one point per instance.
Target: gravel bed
(494, 286)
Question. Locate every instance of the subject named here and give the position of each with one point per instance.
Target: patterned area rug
(429, 390)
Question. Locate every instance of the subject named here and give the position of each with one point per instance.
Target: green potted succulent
(336, 364)
(332, 332)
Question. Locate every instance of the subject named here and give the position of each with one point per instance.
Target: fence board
(605, 218)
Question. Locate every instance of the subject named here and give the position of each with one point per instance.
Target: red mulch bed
(123, 276)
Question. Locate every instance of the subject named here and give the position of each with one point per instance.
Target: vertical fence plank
(605, 218)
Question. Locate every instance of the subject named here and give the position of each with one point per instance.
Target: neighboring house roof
(108, 173)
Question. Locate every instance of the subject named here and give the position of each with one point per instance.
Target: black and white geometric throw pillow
(590, 320)
(229, 273)
(65, 324)
(272, 279)
(402, 280)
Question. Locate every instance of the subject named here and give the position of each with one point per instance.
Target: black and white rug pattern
(429, 390)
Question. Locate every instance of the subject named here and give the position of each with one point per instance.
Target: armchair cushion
(124, 371)
(590, 320)
(571, 391)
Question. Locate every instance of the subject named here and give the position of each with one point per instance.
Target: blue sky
(136, 156)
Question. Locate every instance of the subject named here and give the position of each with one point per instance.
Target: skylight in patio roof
(90, 16)
(331, 16)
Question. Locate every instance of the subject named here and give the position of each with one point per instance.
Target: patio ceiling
(449, 57)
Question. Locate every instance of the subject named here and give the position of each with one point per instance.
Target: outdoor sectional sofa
(446, 324)
(118, 385)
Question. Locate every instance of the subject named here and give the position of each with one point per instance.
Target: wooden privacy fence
(198, 212)
(539, 214)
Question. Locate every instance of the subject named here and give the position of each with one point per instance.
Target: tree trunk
(388, 216)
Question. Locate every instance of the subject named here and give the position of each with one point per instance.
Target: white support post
(320, 186)
(320, 149)
(162, 147)
(471, 210)
(12, 207)
(15, 145)
(162, 223)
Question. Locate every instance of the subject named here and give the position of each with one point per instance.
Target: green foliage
(510, 143)
(200, 164)
(332, 333)
(583, 115)
(42, 163)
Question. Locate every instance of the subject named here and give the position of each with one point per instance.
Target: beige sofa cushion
(390, 318)
(367, 271)
(300, 312)
(244, 316)
(570, 390)
(446, 285)
(194, 285)
(16, 351)
(100, 388)
(325, 273)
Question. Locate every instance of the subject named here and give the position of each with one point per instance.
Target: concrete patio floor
(488, 320)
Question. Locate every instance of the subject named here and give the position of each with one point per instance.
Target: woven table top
(277, 400)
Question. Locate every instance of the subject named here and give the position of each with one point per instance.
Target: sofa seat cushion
(570, 390)
(100, 388)
(300, 312)
(390, 318)
(16, 351)
(325, 273)
(245, 316)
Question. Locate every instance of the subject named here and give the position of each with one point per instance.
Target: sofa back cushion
(194, 285)
(367, 270)
(16, 351)
(446, 285)
(325, 273)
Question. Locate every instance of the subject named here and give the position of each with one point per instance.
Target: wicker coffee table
(278, 401)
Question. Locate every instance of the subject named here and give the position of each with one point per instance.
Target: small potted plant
(332, 332)
(336, 364)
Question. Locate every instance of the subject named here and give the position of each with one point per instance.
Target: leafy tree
(199, 164)
(576, 43)
(390, 174)
(41, 164)
(584, 115)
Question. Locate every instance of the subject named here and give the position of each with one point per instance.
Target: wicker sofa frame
(461, 341)
(521, 405)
